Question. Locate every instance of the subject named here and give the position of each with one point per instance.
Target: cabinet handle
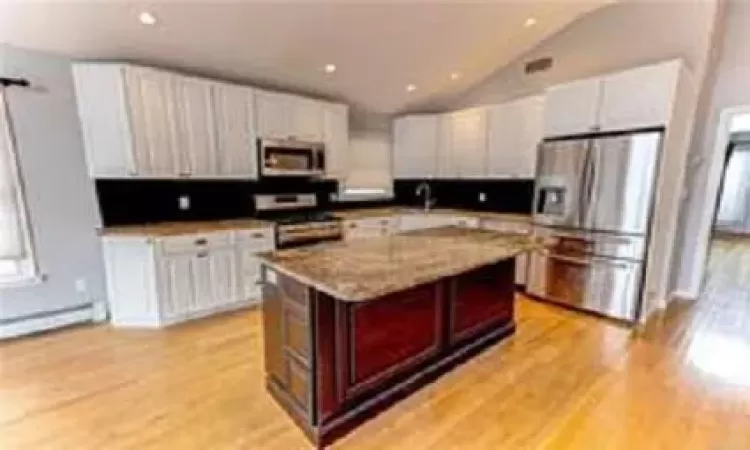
(184, 174)
(257, 235)
(259, 283)
(352, 225)
(201, 242)
(383, 222)
(202, 254)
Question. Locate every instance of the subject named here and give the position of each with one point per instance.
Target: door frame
(710, 201)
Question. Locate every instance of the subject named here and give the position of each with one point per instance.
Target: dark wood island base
(332, 364)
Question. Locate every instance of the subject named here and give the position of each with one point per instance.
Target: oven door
(291, 158)
(606, 286)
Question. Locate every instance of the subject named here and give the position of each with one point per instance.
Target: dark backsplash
(508, 196)
(124, 202)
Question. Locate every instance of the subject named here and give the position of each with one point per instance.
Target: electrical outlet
(183, 202)
(482, 197)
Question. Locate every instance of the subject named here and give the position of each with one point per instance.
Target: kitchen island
(351, 327)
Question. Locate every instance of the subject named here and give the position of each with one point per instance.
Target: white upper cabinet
(235, 130)
(273, 119)
(468, 144)
(196, 142)
(415, 146)
(447, 165)
(306, 119)
(639, 98)
(636, 98)
(140, 122)
(514, 131)
(151, 101)
(572, 108)
(336, 139)
(285, 116)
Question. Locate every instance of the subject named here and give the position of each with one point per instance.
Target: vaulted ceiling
(378, 47)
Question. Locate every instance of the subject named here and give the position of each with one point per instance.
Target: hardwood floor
(564, 381)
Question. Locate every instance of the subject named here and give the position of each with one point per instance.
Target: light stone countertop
(364, 213)
(365, 269)
(162, 229)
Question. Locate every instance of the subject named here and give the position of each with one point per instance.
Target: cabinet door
(224, 280)
(306, 119)
(249, 272)
(235, 131)
(639, 98)
(175, 287)
(336, 138)
(448, 165)
(415, 146)
(514, 133)
(203, 298)
(196, 150)
(469, 142)
(273, 115)
(151, 104)
(572, 108)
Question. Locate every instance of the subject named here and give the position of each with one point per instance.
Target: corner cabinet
(140, 122)
(155, 282)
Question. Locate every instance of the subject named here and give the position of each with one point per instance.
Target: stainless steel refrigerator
(592, 205)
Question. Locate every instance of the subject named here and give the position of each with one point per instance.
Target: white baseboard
(45, 322)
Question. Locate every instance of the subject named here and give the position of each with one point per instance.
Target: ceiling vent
(538, 65)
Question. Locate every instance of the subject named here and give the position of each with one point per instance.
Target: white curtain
(12, 242)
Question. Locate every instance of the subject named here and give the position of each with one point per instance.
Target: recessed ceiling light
(410, 88)
(530, 22)
(147, 18)
(455, 76)
(330, 68)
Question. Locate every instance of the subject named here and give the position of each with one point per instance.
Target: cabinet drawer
(194, 242)
(466, 222)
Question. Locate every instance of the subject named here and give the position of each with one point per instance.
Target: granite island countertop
(365, 269)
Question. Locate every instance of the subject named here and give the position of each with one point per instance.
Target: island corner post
(331, 364)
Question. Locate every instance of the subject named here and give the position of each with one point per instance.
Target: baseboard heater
(45, 321)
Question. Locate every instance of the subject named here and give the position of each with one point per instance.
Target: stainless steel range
(298, 222)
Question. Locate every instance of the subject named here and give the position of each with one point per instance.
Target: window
(16, 262)
(370, 168)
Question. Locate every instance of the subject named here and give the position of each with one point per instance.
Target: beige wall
(616, 37)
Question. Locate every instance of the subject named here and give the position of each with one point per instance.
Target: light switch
(183, 202)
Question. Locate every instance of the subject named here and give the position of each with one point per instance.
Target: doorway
(727, 271)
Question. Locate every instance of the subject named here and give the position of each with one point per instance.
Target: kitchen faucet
(428, 200)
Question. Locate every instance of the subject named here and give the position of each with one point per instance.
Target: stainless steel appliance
(297, 221)
(291, 157)
(592, 206)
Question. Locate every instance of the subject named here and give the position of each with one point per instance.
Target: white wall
(730, 87)
(60, 196)
(619, 36)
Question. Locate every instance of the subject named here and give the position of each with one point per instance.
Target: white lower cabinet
(370, 227)
(155, 282)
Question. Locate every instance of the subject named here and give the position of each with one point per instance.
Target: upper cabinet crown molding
(150, 123)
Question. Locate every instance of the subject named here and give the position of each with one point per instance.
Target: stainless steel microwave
(282, 157)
